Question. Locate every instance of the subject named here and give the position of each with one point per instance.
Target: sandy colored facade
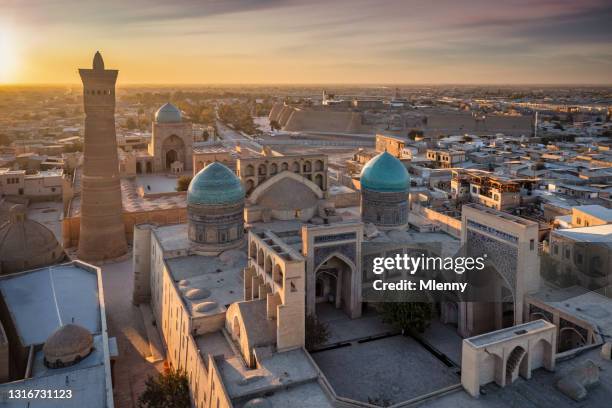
(101, 228)
(501, 356)
(510, 244)
(393, 144)
(204, 155)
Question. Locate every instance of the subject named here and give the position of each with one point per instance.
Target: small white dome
(197, 293)
(258, 403)
(205, 307)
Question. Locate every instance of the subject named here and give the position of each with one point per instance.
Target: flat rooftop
(508, 333)
(172, 237)
(599, 233)
(309, 395)
(219, 279)
(278, 370)
(214, 344)
(501, 214)
(588, 306)
(44, 299)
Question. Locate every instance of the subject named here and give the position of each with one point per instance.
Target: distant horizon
(273, 42)
(314, 84)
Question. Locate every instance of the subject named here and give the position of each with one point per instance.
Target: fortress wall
(295, 119)
(325, 121)
(275, 111)
(284, 115)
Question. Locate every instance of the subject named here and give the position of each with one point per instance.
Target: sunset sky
(309, 41)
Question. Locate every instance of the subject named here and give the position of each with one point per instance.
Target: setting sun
(8, 55)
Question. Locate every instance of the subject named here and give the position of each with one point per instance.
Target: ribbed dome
(168, 114)
(385, 173)
(213, 185)
(26, 244)
(67, 345)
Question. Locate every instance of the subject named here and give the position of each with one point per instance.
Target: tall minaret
(102, 234)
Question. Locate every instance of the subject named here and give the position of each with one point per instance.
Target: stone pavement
(444, 338)
(125, 323)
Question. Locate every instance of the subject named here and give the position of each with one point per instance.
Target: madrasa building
(265, 247)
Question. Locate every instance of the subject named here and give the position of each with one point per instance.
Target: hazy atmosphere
(290, 41)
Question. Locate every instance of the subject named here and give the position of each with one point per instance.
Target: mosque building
(266, 247)
(171, 145)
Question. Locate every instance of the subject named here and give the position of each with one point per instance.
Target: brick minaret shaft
(102, 234)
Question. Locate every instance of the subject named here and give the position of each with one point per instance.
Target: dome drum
(385, 210)
(215, 209)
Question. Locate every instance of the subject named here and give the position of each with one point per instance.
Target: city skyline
(286, 42)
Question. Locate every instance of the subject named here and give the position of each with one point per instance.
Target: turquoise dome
(168, 114)
(215, 184)
(385, 173)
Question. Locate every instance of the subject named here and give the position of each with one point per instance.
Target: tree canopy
(170, 389)
(407, 316)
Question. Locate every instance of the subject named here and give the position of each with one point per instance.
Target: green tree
(169, 389)
(317, 332)
(407, 316)
(182, 184)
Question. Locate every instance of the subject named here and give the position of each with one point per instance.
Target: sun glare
(8, 55)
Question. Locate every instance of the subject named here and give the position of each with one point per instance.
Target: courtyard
(158, 183)
(366, 360)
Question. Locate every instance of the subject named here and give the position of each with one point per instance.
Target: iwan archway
(334, 282)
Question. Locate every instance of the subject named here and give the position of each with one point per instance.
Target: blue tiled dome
(215, 184)
(168, 114)
(385, 173)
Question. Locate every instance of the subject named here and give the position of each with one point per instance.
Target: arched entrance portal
(173, 149)
(334, 283)
(171, 157)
